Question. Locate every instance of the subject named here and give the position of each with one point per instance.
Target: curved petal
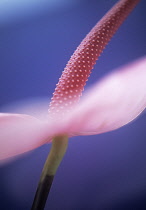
(20, 133)
(115, 101)
(112, 103)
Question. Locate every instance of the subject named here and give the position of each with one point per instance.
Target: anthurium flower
(111, 103)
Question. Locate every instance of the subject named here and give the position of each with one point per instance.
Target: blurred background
(37, 38)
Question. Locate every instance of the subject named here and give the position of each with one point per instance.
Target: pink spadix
(78, 69)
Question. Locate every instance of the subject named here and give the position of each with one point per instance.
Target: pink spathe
(108, 105)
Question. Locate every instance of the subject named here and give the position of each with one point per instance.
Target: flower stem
(58, 149)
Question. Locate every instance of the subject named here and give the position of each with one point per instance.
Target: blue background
(106, 171)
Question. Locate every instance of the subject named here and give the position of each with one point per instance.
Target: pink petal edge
(20, 133)
(113, 102)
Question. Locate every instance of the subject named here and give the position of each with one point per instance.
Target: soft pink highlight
(113, 102)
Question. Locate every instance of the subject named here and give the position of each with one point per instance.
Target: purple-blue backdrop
(106, 171)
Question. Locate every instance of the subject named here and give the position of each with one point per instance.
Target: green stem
(58, 149)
